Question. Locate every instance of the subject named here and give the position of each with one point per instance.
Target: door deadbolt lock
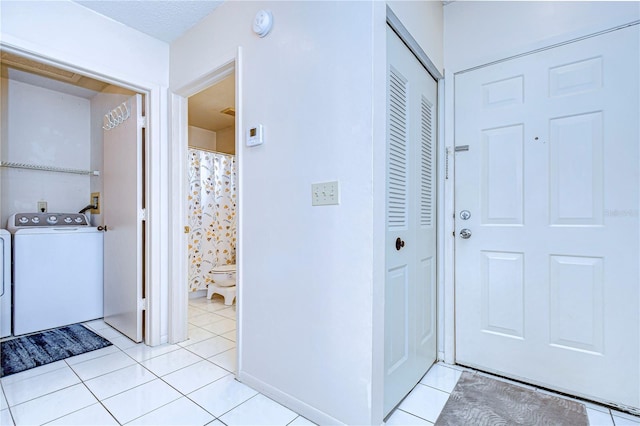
(465, 234)
(465, 214)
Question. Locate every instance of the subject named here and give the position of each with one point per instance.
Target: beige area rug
(479, 400)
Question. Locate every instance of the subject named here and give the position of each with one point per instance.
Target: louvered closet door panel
(410, 239)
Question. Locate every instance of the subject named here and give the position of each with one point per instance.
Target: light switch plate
(325, 194)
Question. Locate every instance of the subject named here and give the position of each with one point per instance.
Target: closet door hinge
(142, 304)
(142, 121)
(142, 215)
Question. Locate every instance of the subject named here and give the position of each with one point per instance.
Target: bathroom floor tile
(221, 327)
(226, 360)
(197, 335)
(215, 306)
(210, 347)
(259, 410)
(441, 377)
(109, 333)
(229, 312)
(171, 361)
(33, 372)
(52, 406)
(301, 421)
(97, 324)
(5, 418)
(599, 418)
(402, 418)
(144, 352)
(102, 365)
(36, 386)
(180, 412)
(195, 376)
(124, 342)
(3, 400)
(206, 319)
(624, 419)
(91, 355)
(140, 400)
(93, 415)
(232, 335)
(118, 381)
(425, 402)
(222, 395)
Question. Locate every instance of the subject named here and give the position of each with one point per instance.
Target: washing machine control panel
(30, 220)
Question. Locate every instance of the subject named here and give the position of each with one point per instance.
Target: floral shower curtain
(212, 214)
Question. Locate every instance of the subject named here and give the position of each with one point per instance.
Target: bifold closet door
(410, 282)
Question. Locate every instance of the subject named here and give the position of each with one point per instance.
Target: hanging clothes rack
(116, 116)
(26, 166)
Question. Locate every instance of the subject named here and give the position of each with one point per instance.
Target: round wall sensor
(262, 23)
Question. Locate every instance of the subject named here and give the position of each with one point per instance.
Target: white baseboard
(302, 408)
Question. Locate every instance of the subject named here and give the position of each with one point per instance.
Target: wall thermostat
(255, 135)
(262, 23)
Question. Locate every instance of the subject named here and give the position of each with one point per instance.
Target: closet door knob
(399, 243)
(103, 228)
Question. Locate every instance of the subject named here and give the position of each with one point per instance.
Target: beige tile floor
(190, 383)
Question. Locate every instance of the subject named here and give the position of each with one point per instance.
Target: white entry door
(122, 206)
(410, 283)
(547, 166)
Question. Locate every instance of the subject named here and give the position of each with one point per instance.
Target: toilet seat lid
(224, 268)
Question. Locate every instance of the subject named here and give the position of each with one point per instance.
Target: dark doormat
(34, 350)
(479, 400)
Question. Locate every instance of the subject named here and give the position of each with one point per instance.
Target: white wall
(44, 128)
(306, 272)
(477, 32)
(425, 21)
(202, 138)
(70, 35)
(226, 140)
(309, 276)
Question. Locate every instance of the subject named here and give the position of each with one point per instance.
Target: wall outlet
(42, 206)
(325, 194)
(95, 200)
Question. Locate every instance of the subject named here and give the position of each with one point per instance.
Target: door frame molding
(156, 147)
(178, 266)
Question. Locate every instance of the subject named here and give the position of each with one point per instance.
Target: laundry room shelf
(12, 165)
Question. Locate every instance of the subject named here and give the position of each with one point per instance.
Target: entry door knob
(399, 243)
(465, 234)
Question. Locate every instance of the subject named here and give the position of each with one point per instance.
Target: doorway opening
(55, 159)
(211, 211)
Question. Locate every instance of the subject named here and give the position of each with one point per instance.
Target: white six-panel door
(547, 284)
(122, 209)
(410, 284)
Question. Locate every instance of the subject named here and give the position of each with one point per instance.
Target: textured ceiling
(164, 20)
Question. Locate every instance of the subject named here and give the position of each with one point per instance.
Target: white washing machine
(5, 285)
(57, 270)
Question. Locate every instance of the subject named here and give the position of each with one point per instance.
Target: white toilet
(224, 283)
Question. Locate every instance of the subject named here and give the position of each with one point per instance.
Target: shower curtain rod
(209, 150)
